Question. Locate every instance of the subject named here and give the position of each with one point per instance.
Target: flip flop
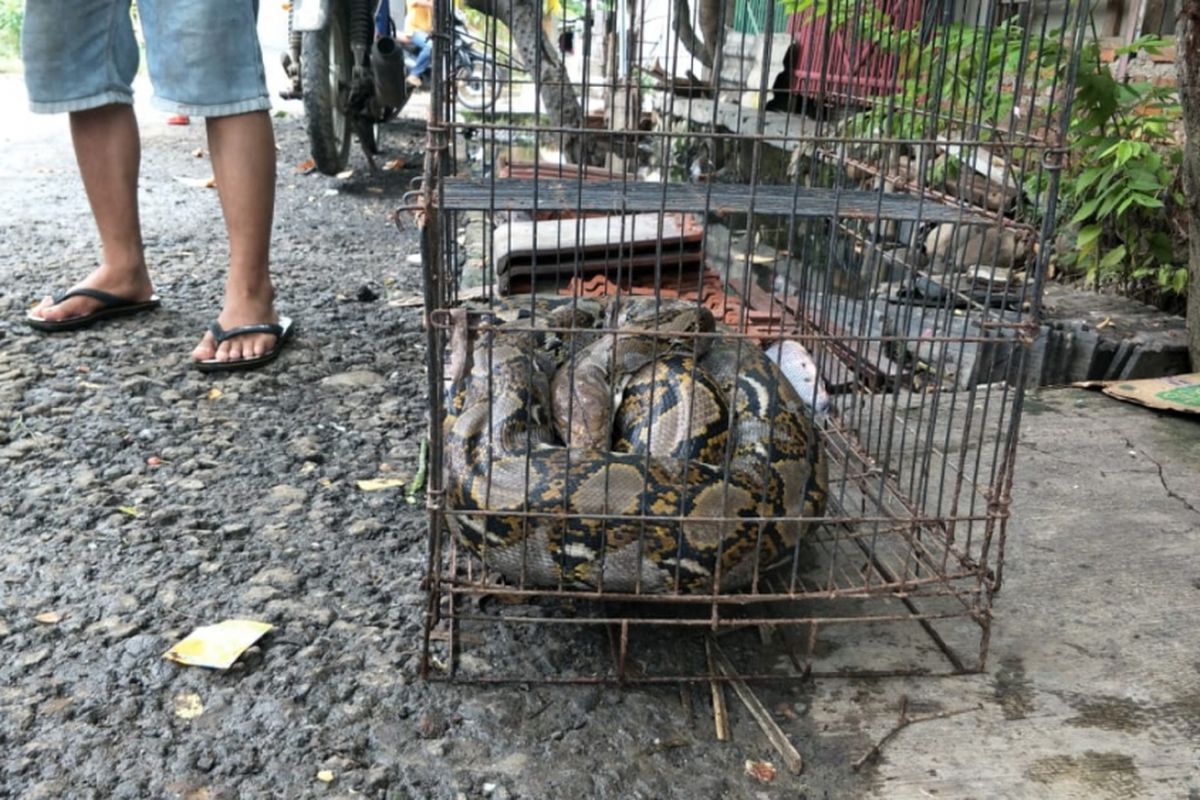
(282, 331)
(113, 306)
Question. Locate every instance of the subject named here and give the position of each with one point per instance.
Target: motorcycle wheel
(327, 65)
(478, 86)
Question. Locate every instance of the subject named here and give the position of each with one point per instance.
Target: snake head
(582, 409)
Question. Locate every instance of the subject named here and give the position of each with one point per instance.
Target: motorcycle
(350, 71)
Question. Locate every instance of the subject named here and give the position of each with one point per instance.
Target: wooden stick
(685, 700)
(774, 734)
(903, 722)
(720, 720)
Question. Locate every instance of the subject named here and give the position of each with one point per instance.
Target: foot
(239, 312)
(413, 81)
(128, 284)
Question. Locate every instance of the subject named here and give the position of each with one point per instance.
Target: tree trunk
(1188, 59)
(524, 20)
(682, 25)
(711, 26)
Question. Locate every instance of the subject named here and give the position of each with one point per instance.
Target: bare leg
(108, 151)
(243, 157)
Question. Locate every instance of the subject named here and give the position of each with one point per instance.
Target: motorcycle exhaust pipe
(387, 68)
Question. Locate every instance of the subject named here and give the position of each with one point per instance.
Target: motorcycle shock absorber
(291, 59)
(362, 33)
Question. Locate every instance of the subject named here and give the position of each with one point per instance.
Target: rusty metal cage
(865, 193)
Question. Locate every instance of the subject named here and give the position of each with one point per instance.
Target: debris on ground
(1180, 393)
(217, 646)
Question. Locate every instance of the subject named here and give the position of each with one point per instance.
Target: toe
(234, 350)
(261, 345)
(46, 310)
(205, 351)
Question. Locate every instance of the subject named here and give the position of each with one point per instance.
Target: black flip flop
(282, 331)
(113, 306)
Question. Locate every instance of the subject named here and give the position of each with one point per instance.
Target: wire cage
(728, 328)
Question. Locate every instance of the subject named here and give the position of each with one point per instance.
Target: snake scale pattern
(619, 445)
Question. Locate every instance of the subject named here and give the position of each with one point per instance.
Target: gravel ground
(245, 503)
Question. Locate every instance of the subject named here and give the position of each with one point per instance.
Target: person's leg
(425, 42)
(243, 157)
(108, 151)
(93, 87)
(219, 76)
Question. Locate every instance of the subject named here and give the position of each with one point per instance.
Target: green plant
(960, 78)
(12, 15)
(1121, 188)
(1120, 191)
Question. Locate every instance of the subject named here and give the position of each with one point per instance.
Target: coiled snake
(674, 435)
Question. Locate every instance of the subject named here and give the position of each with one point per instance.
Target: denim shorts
(203, 56)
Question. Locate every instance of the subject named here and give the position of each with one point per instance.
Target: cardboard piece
(1179, 393)
(217, 646)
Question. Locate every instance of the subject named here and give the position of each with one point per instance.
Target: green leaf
(1179, 282)
(1146, 201)
(1086, 178)
(1088, 235)
(1112, 258)
(1125, 151)
(1145, 187)
(1109, 204)
(1086, 211)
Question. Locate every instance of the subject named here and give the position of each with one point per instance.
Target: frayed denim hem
(81, 103)
(262, 103)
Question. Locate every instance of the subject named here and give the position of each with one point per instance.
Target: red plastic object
(840, 61)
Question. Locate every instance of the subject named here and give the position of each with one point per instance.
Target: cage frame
(453, 578)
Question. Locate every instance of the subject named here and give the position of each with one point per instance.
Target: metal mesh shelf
(516, 194)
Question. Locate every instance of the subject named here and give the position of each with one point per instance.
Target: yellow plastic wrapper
(217, 646)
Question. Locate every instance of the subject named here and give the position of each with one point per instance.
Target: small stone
(355, 379)
(83, 478)
(366, 294)
(377, 780)
(191, 485)
(284, 494)
(431, 726)
(32, 658)
(165, 516)
(234, 530)
(278, 577)
(111, 629)
(188, 705)
(307, 448)
(257, 595)
(289, 610)
(362, 527)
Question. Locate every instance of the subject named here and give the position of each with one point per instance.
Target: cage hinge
(435, 499)
(1054, 158)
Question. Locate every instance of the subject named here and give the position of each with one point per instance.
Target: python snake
(674, 436)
